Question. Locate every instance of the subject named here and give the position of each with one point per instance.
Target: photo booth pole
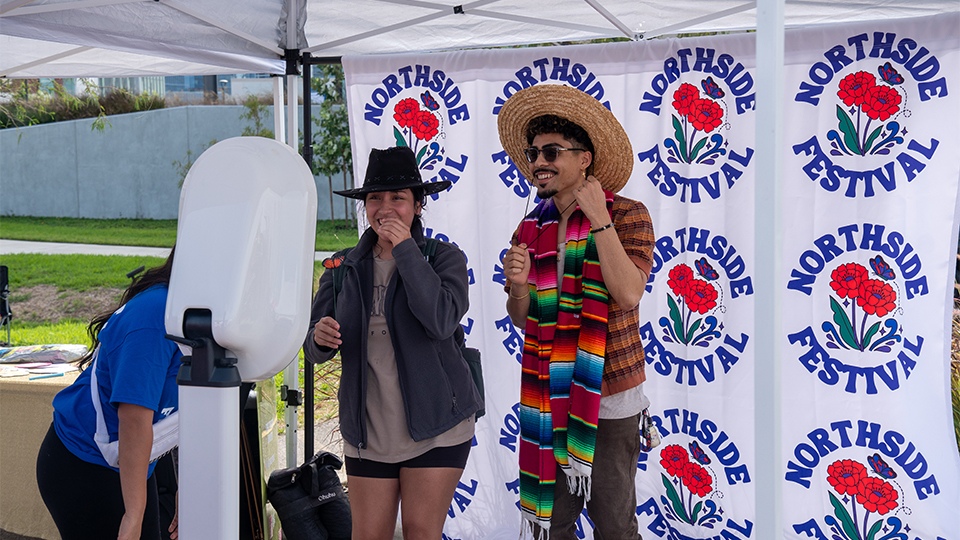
(239, 306)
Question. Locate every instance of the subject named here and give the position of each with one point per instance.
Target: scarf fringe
(580, 486)
(527, 526)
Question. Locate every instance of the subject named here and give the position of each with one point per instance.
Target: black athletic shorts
(445, 456)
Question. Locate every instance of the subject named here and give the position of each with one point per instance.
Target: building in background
(192, 88)
(177, 90)
(134, 85)
(249, 84)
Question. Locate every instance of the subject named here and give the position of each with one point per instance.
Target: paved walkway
(55, 248)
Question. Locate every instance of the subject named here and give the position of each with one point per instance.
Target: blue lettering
(809, 93)
(512, 175)
(372, 114)
(391, 85)
(811, 528)
(668, 181)
(514, 341)
(460, 499)
(933, 88)
(651, 103)
(798, 475)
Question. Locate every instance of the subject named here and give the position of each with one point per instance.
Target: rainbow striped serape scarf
(562, 366)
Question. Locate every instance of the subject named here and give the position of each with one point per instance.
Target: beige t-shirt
(388, 437)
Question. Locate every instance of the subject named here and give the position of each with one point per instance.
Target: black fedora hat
(393, 169)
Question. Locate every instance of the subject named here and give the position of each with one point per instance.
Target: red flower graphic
(881, 102)
(706, 115)
(847, 279)
(405, 112)
(684, 97)
(876, 495)
(697, 479)
(425, 126)
(673, 458)
(876, 297)
(700, 296)
(854, 87)
(680, 275)
(845, 476)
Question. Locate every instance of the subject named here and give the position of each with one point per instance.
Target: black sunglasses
(550, 153)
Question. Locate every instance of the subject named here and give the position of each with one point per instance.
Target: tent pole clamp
(292, 56)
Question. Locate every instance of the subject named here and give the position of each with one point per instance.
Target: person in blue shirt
(95, 466)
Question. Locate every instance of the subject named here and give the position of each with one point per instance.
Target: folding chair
(6, 314)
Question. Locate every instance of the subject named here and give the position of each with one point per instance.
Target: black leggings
(84, 499)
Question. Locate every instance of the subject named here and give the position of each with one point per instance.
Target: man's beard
(546, 193)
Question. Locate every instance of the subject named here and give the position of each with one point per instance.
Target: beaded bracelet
(598, 229)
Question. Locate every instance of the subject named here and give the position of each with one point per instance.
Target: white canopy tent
(150, 37)
(25, 58)
(241, 35)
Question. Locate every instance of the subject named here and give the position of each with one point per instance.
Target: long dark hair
(153, 276)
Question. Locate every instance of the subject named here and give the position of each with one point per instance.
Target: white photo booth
(239, 304)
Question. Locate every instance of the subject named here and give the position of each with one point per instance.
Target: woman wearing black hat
(407, 399)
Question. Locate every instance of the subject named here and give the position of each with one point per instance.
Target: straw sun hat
(613, 159)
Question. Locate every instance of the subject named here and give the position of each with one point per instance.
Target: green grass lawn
(118, 232)
(139, 232)
(72, 272)
(63, 332)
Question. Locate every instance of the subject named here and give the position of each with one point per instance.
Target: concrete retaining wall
(65, 169)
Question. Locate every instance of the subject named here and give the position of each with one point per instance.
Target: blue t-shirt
(135, 364)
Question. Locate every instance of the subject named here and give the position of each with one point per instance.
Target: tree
(256, 112)
(331, 139)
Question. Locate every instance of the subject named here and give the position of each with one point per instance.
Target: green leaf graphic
(674, 498)
(870, 139)
(846, 330)
(870, 332)
(696, 149)
(849, 132)
(874, 530)
(399, 137)
(681, 139)
(676, 318)
(421, 153)
(693, 330)
(841, 512)
(696, 511)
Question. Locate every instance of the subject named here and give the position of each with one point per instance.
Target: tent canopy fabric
(25, 58)
(173, 37)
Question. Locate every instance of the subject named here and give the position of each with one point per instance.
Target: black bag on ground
(310, 501)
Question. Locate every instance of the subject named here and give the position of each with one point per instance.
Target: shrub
(57, 105)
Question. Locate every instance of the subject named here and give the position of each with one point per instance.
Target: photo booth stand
(238, 306)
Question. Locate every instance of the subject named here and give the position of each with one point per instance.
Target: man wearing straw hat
(576, 270)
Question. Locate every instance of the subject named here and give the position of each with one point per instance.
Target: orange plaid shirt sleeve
(624, 365)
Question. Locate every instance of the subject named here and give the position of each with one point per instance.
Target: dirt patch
(45, 304)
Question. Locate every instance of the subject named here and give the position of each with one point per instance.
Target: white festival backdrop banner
(870, 232)
(688, 107)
